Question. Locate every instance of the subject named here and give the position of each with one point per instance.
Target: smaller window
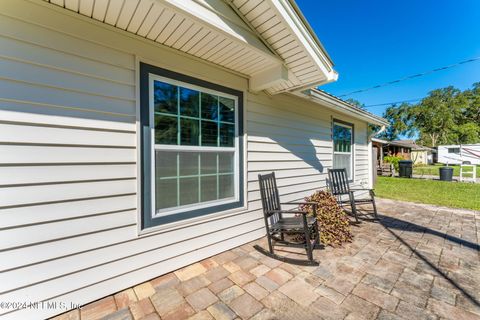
(454, 150)
(342, 147)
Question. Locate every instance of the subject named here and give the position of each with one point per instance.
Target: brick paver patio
(418, 262)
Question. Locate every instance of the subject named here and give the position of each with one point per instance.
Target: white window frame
(352, 146)
(200, 205)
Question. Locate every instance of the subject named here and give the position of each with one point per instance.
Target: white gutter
(379, 140)
(332, 77)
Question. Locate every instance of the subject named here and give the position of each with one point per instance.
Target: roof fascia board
(301, 32)
(310, 30)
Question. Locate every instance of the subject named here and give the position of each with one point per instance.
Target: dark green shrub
(334, 223)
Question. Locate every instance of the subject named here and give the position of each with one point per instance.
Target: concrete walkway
(418, 262)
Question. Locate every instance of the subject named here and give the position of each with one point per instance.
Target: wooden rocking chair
(277, 225)
(340, 186)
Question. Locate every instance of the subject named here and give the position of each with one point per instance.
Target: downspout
(373, 134)
(382, 128)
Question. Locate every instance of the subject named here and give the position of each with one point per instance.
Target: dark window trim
(145, 138)
(335, 120)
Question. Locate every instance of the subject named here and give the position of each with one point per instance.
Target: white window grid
(351, 145)
(186, 148)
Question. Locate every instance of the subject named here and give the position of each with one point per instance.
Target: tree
(468, 131)
(473, 99)
(401, 121)
(436, 115)
(445, 116)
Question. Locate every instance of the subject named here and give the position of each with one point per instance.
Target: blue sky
(376, 41)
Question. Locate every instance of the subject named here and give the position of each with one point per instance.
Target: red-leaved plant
(333, 222)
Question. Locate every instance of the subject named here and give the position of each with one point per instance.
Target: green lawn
(433, 170)
(449, 194)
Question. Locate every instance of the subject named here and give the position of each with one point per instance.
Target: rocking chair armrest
(301, 202)
(360, 189)
(312, 203)
(287, 211)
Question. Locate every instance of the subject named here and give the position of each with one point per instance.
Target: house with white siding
(132, 133)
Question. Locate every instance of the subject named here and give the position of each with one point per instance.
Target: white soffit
(207, 29)
(267, 41)
(281, 24)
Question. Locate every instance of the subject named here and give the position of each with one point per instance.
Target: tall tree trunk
(433, 137)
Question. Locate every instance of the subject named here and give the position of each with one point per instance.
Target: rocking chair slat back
(269, 193)
(338, 181)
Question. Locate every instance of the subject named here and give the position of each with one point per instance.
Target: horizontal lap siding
(362, 170)
(295, 142)
(292, 138)
(68, 165)
(68, 161)
(67, 157)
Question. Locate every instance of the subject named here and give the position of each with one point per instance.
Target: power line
(410, 77)
(390, 103)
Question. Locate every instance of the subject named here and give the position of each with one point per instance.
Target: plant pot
(446, 173)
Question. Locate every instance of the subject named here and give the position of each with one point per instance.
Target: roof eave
(302, 41)
(332, 77)
(305, 34)
(342, 106)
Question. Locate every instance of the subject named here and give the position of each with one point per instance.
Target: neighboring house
(458, 154)
(133, 133)
(418, 154)
(406, 149)
(399, 148)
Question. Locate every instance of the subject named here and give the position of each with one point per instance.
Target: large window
(194, 139)
(343, 146)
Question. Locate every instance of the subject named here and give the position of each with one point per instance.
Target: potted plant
(446, 173)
